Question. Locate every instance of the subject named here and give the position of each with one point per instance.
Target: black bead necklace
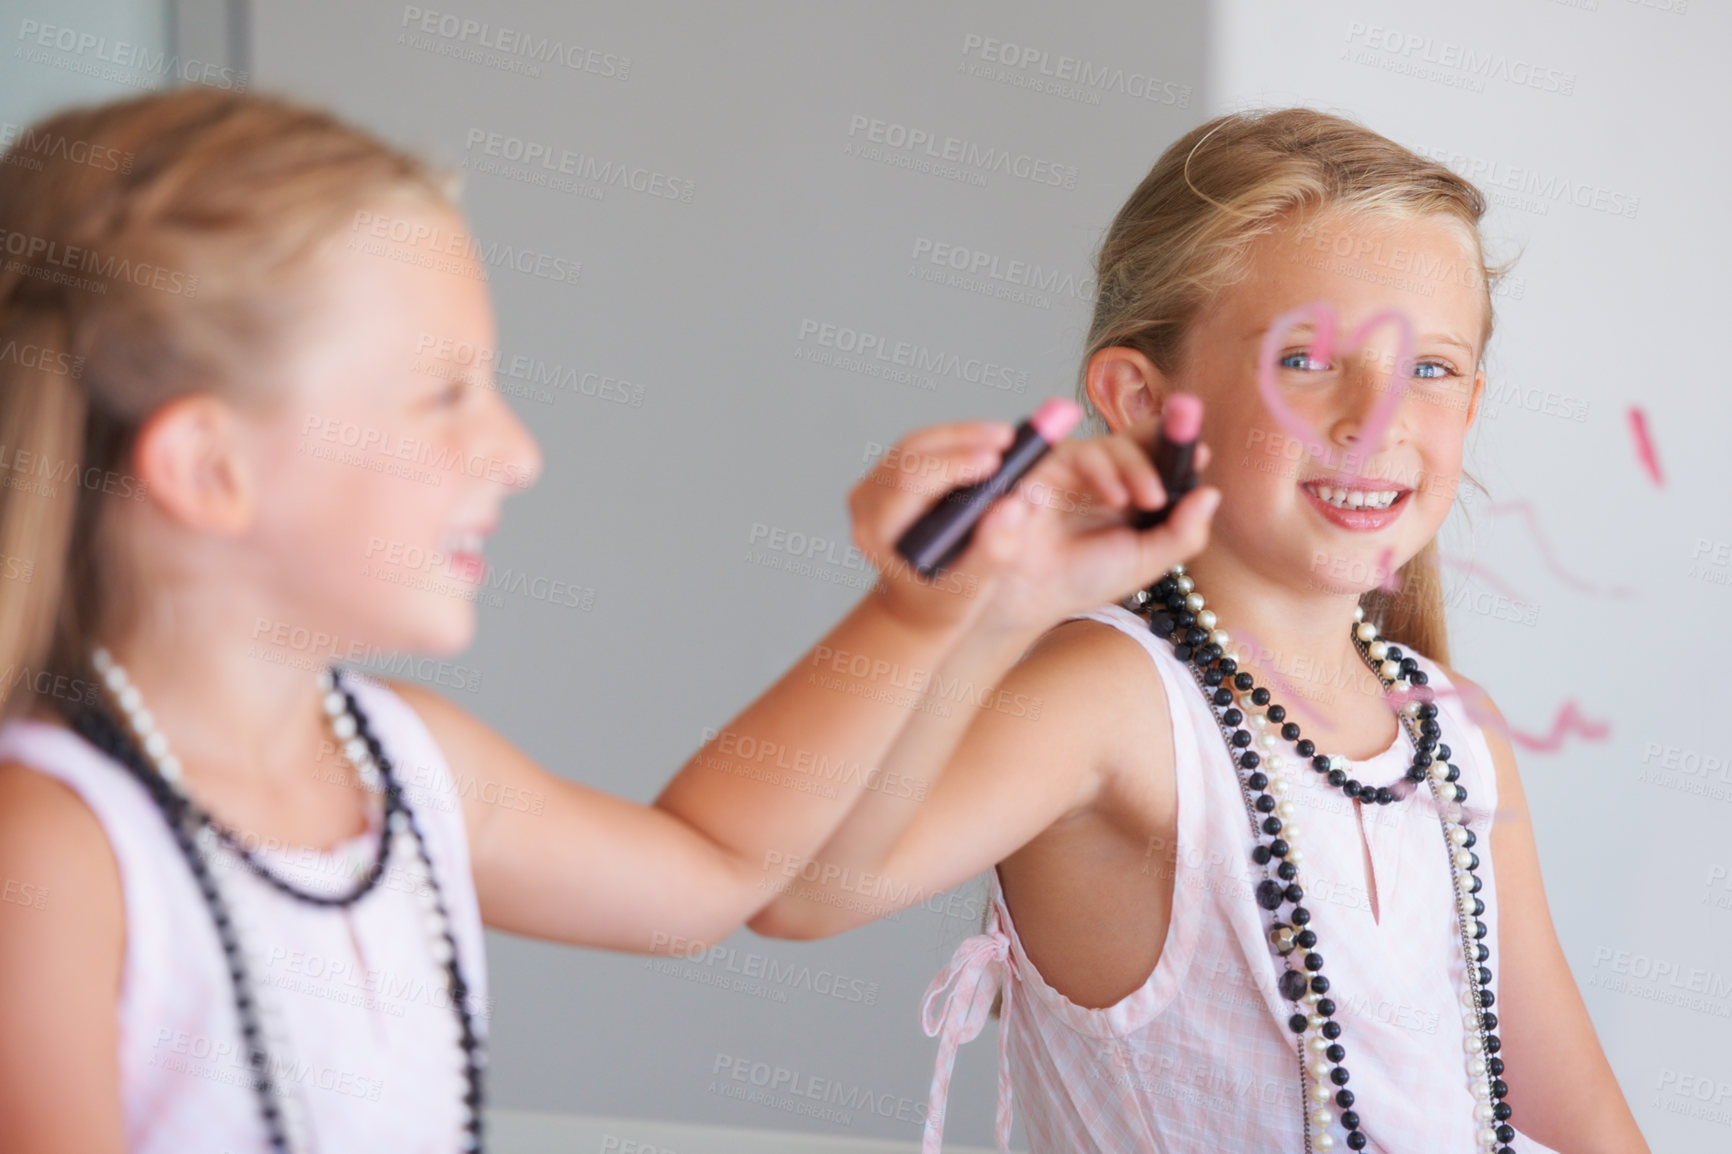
(1179, 615)
(1175, 612)
(190, 824)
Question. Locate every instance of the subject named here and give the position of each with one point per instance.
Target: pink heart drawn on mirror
(1322, 345)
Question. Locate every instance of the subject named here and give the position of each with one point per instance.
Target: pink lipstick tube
(1174, 455)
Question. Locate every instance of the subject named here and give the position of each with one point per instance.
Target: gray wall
(1596, 129)
(701, 306)
(36, 80)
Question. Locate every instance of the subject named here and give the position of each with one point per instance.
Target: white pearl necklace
(401, 840)
(155, 745)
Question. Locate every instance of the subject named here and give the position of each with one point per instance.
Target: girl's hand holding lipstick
(1059, 541)
(1081, 547)
(909, 480)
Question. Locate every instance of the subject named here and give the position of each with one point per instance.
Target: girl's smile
(461, 548)
(1358, 505)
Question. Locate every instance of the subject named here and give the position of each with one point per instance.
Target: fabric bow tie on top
(978, 970)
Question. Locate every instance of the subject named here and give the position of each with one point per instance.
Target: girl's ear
(1125, 386)
(192, 457)
(1478, 392)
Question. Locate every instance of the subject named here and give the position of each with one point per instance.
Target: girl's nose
(1370, 392)
(512, 445)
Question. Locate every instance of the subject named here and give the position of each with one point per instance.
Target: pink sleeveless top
(363, 1036)
(1200, 1057)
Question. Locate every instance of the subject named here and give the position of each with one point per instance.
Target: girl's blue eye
(1301, 354)
(1424, 370)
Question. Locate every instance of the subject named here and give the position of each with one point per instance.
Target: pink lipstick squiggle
(1525, 509)
(1569, 719)
(1474, 569)
(1644, 443)
(1321, 346)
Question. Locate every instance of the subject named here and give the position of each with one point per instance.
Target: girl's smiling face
(1278, 513)
(386, 464)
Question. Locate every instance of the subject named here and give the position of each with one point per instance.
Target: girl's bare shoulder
(49, 838)
(1110, 681)
(62, 947)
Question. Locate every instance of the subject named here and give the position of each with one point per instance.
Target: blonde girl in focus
(1243, 896)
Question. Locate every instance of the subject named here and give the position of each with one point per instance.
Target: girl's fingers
(1136, 472)
(1083, 472)
(936, 459)
(1095, 465)
(1146, 433)
(1114, 469)
(1181, 537)
(901, 489)
(999, 535)
(957, 434)
(931, 473)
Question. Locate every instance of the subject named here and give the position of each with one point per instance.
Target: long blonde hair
(1186, 232)
(149, 248)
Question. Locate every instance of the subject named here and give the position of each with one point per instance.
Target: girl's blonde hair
(151, 247)
(1186, 233)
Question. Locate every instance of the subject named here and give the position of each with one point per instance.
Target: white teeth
(460, 541)
(1354, 498)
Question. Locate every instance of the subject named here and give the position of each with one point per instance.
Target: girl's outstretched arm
(597, 870)
(1561, 1087)
(1008, 738)
(1094, 741)
(559, 860)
